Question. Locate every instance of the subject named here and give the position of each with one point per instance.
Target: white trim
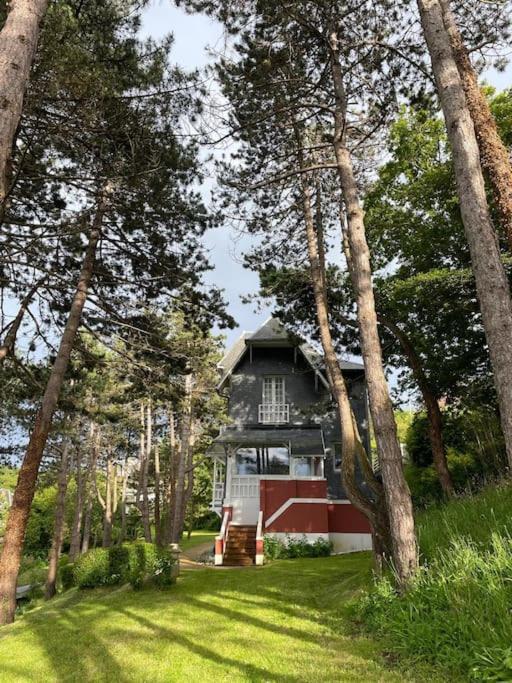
(291, 501)
(259, 537)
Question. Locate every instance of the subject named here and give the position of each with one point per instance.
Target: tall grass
(458, 612)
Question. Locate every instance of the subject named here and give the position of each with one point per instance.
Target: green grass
(197, 538)
(283, 622)
(473, 518)
(457, 613)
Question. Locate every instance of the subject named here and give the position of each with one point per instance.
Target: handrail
(259, 528)
(220, 540)
(225, 522)
(259, 540)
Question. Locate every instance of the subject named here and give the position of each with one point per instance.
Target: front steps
(240, 547)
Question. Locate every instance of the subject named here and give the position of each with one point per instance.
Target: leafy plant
(274, 548)
(92, 569)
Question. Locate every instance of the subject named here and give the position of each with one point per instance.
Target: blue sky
(193, 35)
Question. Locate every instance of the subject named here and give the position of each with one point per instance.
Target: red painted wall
(346, 519)
(275, 492)
(307, 518)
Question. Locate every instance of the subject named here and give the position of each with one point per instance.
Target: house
(277, 463)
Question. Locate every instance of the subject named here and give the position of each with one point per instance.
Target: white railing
(220, 540)
(273, 413)
(218, 493)
(245, 487)
(259, 540)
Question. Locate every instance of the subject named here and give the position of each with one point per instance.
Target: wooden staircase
(240, 547)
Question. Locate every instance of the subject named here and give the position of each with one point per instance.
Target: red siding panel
(346, 519)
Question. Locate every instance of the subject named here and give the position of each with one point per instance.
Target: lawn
(197, 538)
(283, 622)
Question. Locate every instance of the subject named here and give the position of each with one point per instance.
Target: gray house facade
(283, 435)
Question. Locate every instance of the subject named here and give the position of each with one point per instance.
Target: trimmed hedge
(135, 563)
(67, 578)
(276, 549)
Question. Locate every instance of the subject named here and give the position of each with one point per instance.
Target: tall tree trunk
(18, 43)
(7, 348)
(435, 420)
(76, 528)
(374, 511)
(58, 527)
(491, 281)
(493, 153)
(170, 483)
(27, 478)
(108, 504)
(124, 490)
(397, 494)
(142, 490)
(186, 419)
(89, 487)
(158, 520)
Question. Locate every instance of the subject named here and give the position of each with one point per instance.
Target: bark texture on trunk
(435, 419)
(351, 446)
(186, 420)
(142, 490)
(491, 281)
(76, 528)
(494, 155)
(90, 485)
(27, 478)
(58, 527)
(397, 494)
(108, 504)
(18, 43)
(170, 483)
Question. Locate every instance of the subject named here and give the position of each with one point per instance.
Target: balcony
(273, 413)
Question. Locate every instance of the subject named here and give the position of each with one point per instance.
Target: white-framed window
(308, 466)
(273, 390)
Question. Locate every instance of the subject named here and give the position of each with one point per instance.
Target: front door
(245, 499)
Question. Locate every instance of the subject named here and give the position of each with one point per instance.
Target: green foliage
(92, 569)
(142, 563)
(118, 563)
(164, 568)
(291, 548)
(137, 563)
(67, 576)
(474, 449)
(456, 614)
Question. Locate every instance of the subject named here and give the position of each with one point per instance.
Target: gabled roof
(273, 332)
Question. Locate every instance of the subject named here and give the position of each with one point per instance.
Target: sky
(194, 35)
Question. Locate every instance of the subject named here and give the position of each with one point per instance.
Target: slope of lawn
(198, 537)
(283, 622)
(457, 613)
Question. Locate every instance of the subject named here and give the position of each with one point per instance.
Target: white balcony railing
(273, 413)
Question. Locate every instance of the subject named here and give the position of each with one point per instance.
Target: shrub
(164, 569)
(275, 548)
(92, 569)
(118, 563)
(67, 578)
(142, 563)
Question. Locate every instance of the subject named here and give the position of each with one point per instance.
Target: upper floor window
(273, 409)
(273, 390)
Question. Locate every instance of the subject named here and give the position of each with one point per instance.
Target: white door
(245, 499)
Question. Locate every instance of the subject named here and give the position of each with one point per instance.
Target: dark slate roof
(302, 441)
(273, 331)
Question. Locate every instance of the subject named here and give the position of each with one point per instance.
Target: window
(263, 460)
(273, 409)
(308, 466)
(273, 390)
